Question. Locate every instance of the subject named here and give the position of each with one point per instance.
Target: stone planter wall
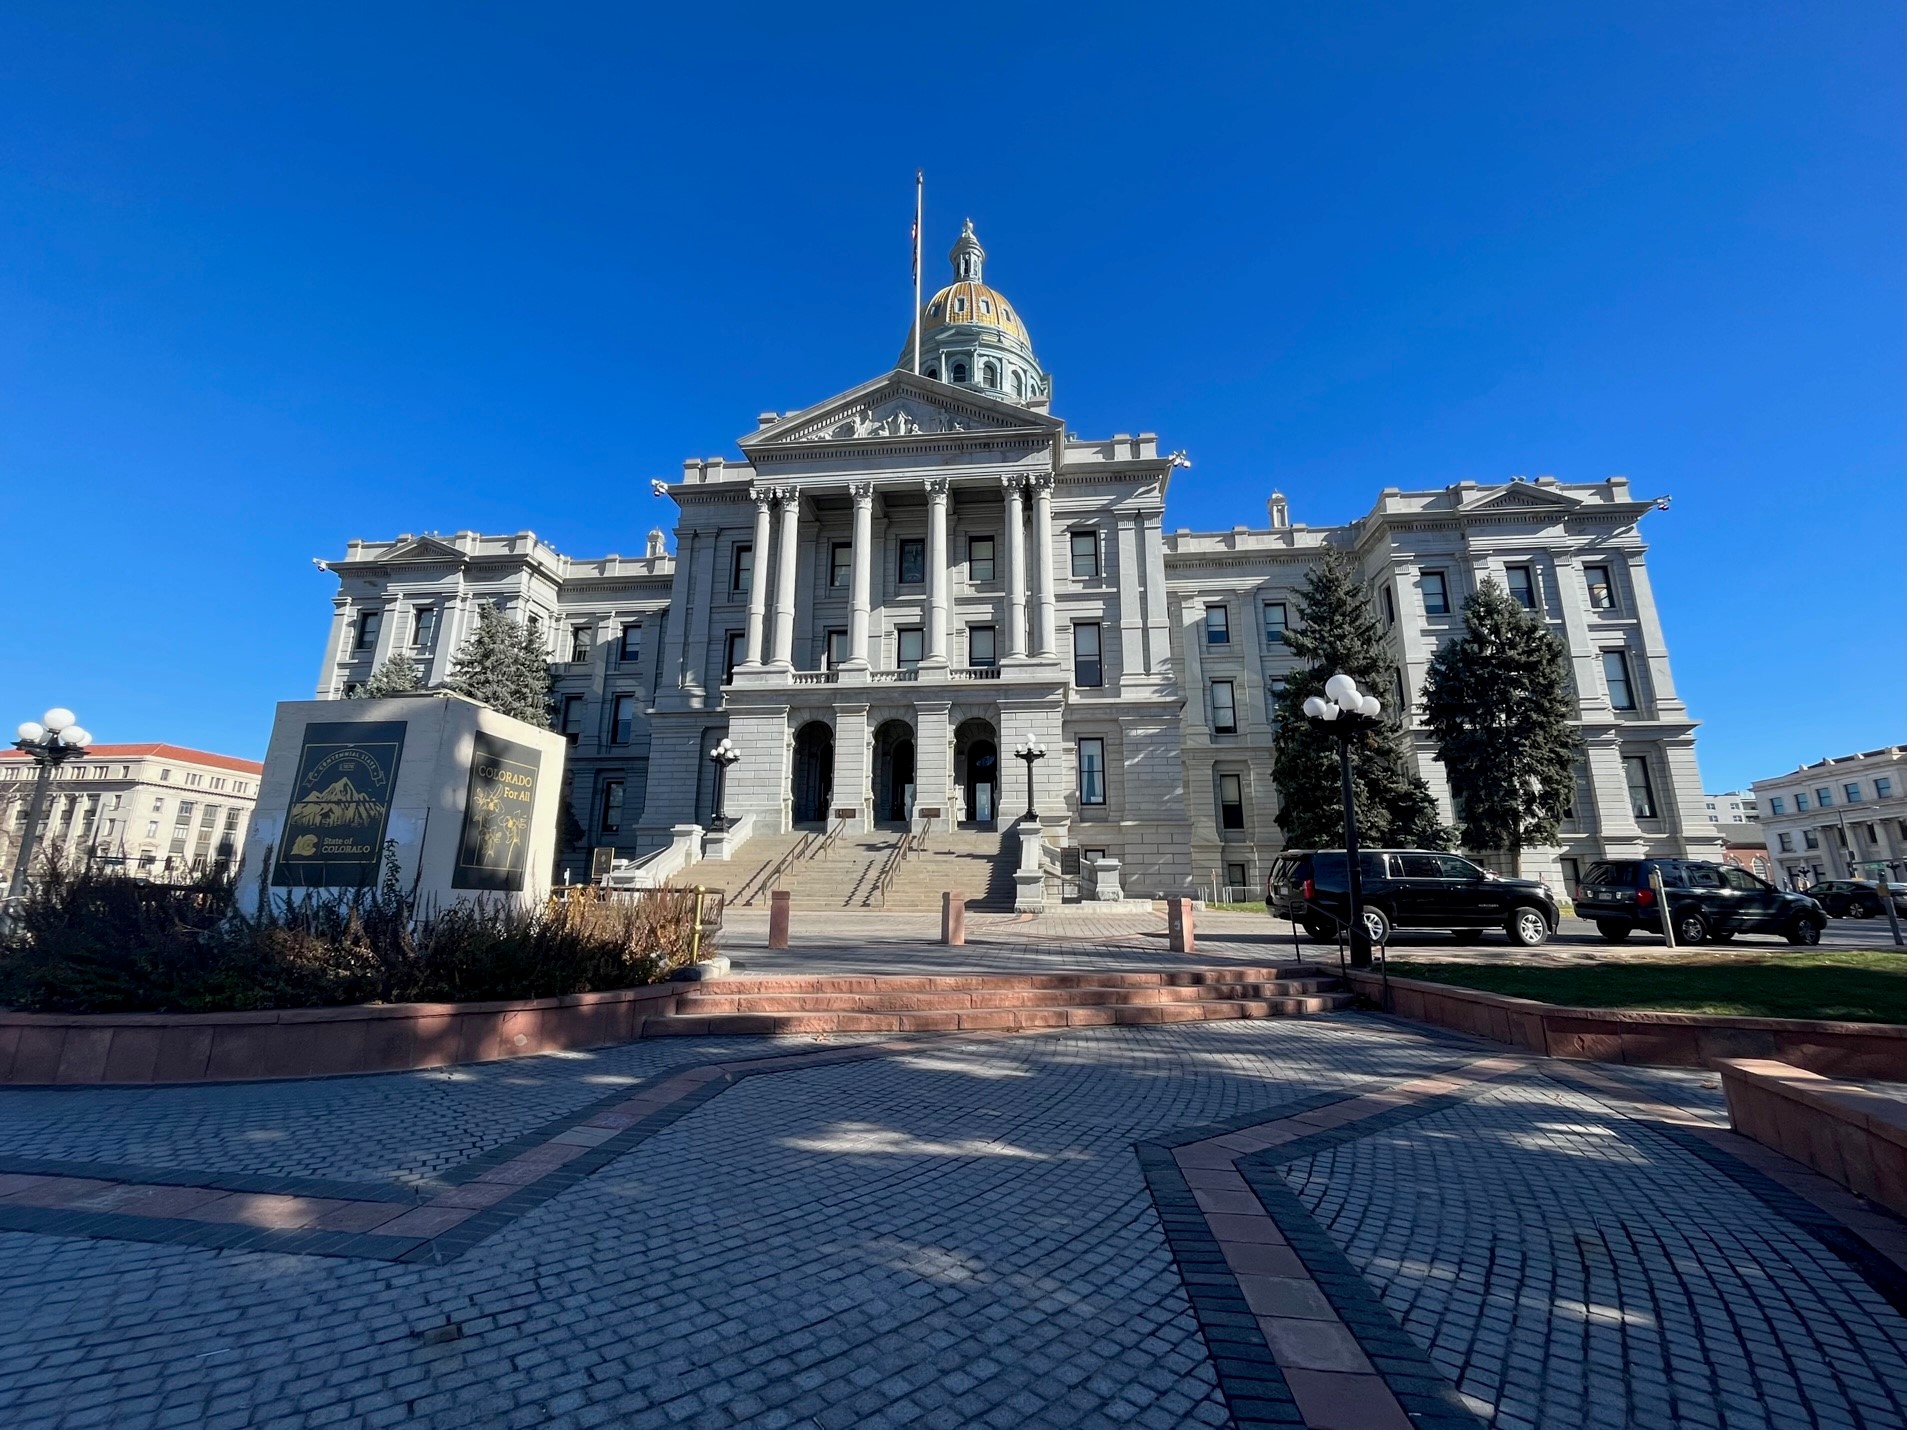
(1856, 1135)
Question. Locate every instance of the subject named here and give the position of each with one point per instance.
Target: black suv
(1706, 901)
(1408, 889)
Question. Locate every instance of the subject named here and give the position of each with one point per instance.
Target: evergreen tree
(396, 676)
(1498, 700)
(503, 665)
(1336, 631)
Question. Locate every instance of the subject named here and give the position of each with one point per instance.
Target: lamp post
(49, 742)
(1031, 751)
(722, 756)
(1348, 712)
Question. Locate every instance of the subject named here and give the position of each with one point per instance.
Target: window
(1436, 592)
(960, 368)
(1824, 797)
(1787, 843)
(424, 628)
(1602, 595)
(1277, 622)
(835, 647)
(1777, 805)
(934, 372)
(1615, 670)
(1231, 802)
(1092, 771)
(152, 829)
(1390, 607)
(119, 802)
(989, 372)
(1809, 839)
(611, 822)
(981, 649)
(840, 564)
(194, 778)
(1235, 879)
(734, 650)
(571, 725)
(165, 776)
(741, 570)
(908, 647)
(979, 558)
(1641, 792)
(1873, 834)
(1086, 667)
(1224, 711)
(1218, 626)
(1019, 385)
(578, 643)
(1084, 546)
(1883, 788)
(368, 622)
(1852, 791)
(1275, 689)
(622, 719)
(631, 648)
(1522, 587)
(1800, 802)
(913, 561)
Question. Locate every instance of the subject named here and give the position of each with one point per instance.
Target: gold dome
(974, 304)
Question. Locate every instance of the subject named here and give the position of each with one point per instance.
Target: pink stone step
(1001, 1019)
(719, 1001)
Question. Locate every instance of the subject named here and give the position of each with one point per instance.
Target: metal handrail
(890, 867)
(772, 879)
(835, 831)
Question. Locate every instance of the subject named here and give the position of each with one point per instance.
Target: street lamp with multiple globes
(722, 756)
(1349, 712)
(1031, 751)
(49, 742)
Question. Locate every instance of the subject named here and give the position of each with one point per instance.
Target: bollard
(778, 919)
(953, 918)
(1179, 925)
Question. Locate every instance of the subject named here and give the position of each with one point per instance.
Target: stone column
(1015, 565)
(936, 572)
(863, 494)
(1043, 557)
(758, 582)
(785, 548)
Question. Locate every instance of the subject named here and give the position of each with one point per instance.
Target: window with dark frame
(979, 559)
(1853, 792)
(1277, 622)
(1436, 593)
(907, 647)
(741, 570)
(424, 628)
(1635, 769)
(1235, 878)
(631, 646)
(571, 724)
(840, 564)
(368, 622)
(834, 649)
(1231, 802)
(982, 648)
(1092, 771)
(1602, 594)
(1087, 669)
(1224, 708)
(913, 561)
(1390, 607)
(1218, 625)
(1615, 670)
(1084, 546)
(622, 719)
(734, 651)
(611, 821)
(578, 644)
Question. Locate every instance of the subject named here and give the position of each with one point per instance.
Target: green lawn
(1851, 987)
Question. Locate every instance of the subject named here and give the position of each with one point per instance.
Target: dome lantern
(971, 336)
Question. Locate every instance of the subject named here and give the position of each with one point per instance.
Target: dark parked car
(1706, 901)
(1408, 889)
(1856, 898)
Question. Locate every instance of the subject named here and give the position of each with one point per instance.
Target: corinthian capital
(936, 486)
(1013, 481)
(1043, 482)
(861, 491)
(763, 496)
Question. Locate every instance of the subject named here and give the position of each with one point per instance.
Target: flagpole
(920, 189)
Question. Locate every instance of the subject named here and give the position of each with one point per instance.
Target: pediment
(901, 407)
(1521, 496)
(425, 548)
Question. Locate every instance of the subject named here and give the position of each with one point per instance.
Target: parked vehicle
(1408, 889)
(1706, 901)
(1856, 898)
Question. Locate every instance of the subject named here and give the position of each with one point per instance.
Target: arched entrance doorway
(894, 771)
(977, 771)
(814, 772)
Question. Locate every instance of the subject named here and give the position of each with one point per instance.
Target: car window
(1702, 876)
(1418, 866)
(1672, 875)
(1622, 874)
(1455, 868)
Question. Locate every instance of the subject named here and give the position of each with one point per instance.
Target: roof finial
(967, 255)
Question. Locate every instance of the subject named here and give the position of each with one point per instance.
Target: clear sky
(273, 277)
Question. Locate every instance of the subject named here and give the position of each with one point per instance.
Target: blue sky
(273, 280)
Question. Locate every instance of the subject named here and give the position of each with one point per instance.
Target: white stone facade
(162, 811)
(894, 588)
(1839, 818)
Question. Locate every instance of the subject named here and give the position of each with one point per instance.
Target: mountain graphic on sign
(340, 803)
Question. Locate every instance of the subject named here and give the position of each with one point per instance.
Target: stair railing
(772, 879)
(890, 867)
(835, 831)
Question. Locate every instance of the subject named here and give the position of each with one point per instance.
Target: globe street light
(1030, 750)
(722, 756)
(49, 742)
(1348, 712)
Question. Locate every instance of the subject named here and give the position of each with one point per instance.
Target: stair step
(880, 983)
(701, 1004)
(993, 1019)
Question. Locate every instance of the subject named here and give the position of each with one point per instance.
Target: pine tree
(396, 676)
(503, 665)
(1336, 631)
(1498, 700)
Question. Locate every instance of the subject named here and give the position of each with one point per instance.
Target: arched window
(934, 373)
(990, 374)
(960, 372)
(1019, 385)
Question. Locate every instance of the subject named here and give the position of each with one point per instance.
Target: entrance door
(900, 780)
(814, 772)
(983, 780)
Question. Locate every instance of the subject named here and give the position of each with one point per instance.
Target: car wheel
(1377, 924)
(1868, 911)
(1318, 933)
(1804, 931)
(1527, 927)
(1467, 935)
(1614, 931)
(1690, 928)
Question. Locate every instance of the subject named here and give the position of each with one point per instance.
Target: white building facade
(162, 811)
(895, 588)
(1839, 818)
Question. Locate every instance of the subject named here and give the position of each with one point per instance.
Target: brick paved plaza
(1334, 1221)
